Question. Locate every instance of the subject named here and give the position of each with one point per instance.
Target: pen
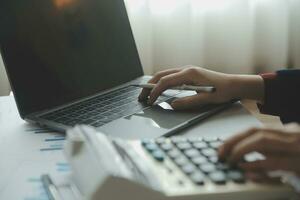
(208, 89)
(50, 187)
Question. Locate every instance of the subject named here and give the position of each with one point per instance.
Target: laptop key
(97, 124)
(62, 120)
(88, 121)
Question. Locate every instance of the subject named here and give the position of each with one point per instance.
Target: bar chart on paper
(27, 152)
(42, 154)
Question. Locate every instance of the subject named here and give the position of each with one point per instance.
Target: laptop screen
(58, 51)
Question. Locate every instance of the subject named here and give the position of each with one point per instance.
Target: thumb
(191, 101)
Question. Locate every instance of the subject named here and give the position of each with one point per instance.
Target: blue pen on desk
(50, 187)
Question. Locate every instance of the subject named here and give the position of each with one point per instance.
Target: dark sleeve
(282, 95)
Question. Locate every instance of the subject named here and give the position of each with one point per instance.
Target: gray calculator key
(178, 140)
(207, 168)
(200, 145)
(197, 178)
(199, 160)
(215, 144)
(167, 146)
(184, 146)
(218, 177)
(222, 166)
(158, 155)
(188, 168)
(214, 159)
(191, 153)
(151, 147)
(236, 176)
(180, 161)
(174, 153)
(160, 140)
(209, 152)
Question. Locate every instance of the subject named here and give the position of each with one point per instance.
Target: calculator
(176, 168)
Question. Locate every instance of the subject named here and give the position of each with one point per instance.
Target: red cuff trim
(268, 75)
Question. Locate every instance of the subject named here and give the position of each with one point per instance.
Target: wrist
(247, 87)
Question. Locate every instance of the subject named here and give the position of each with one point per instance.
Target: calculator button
(158, 155)
(180, 161)
(192, 140)
(197, 178)
(236, 176)
(200, 160)
(167, 146)
(222, 166)
(200, 145)
(208, 140)
(215, 144)
(184, 146)
(188, 168)
(209, 152)
(178, 140)
(218, 177)
(214, 159)
(146, 141)
(191, 153)
(160, 140)
(207, 168)
(151, 147)
(174, 153)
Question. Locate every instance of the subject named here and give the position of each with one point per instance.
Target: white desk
(27, 151)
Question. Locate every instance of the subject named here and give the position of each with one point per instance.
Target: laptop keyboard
(196, 158)
(101, 109)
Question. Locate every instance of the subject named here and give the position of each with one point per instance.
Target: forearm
(248, 87)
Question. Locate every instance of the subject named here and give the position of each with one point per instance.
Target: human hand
(280, 147)
(228, 86)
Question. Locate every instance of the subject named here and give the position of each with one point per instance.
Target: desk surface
(267, 120)
(30, 151)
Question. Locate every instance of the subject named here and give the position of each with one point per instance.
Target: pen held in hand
(208, 89)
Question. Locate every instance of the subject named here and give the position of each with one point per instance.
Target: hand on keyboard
(280, 147)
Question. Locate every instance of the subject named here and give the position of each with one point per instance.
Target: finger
(225, 149)
(171, 80)
(262, 142)
(191, 101)
(274, 162)
(145, 92)
(262, 177)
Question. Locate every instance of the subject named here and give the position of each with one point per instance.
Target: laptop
(73, 62)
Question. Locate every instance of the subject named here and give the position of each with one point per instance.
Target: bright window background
(236, 36)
